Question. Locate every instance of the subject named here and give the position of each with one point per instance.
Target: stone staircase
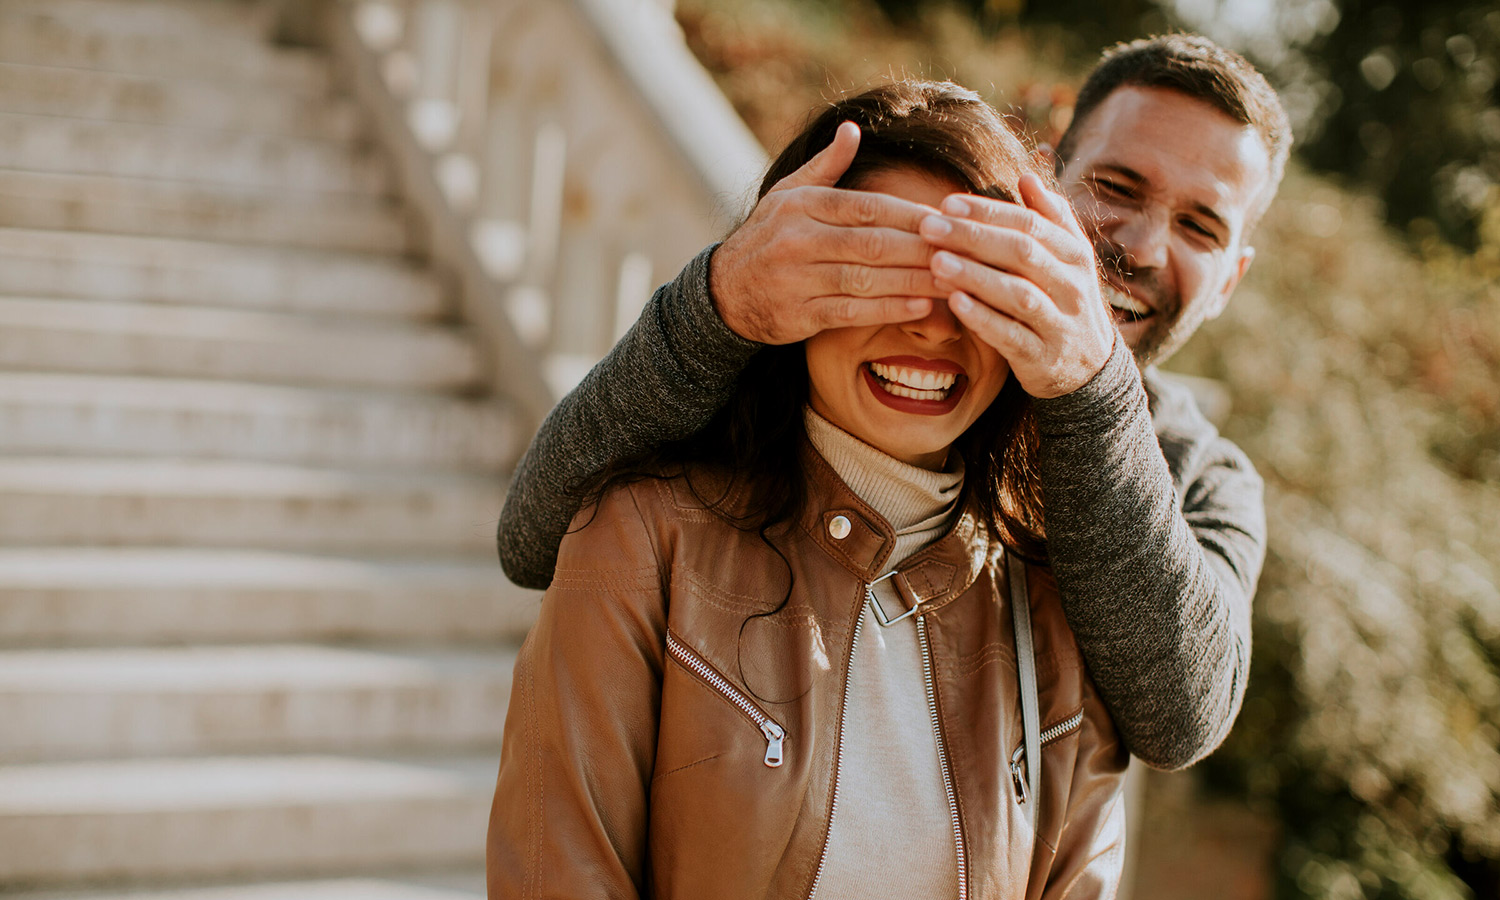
(253, 639)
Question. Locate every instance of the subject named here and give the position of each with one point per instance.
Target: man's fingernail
(955, 206)
(946, 264)
(917, 306)
(960, 302)
(936, 226)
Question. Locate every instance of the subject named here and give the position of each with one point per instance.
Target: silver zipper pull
(1017, 775)
(775, 736)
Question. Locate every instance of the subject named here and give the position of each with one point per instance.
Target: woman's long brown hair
(935, 127)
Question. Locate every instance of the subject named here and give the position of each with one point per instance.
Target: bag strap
(1031, 726)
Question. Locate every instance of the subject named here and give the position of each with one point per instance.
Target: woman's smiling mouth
(913, 385)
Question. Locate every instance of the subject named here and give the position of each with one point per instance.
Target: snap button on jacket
(675, 656)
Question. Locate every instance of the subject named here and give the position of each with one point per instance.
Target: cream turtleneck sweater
(892, 835)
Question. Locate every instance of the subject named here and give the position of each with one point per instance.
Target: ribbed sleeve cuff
(1103, 403)
(693, 328)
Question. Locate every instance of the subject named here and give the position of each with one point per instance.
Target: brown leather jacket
(651, 701)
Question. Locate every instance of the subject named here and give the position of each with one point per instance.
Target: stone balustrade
(568, 156)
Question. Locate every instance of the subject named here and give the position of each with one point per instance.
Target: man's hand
(1022, 277)
(812, 257)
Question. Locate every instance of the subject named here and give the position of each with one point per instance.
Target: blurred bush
(1365, 377)
(777, 59)
(1364, 383)
(1408, 106)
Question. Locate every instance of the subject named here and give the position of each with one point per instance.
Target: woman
(780, 659)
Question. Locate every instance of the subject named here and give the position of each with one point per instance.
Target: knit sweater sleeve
(668, 375)
(1156, 559)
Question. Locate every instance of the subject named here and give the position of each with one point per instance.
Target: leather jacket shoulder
(675, 717)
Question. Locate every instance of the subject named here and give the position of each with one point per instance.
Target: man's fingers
(829, 165)
(1053, 206)
(1061, 242)
(1012, 339)
(996, 247)
(1015, 296)
(833, 206)
(846, 312)
(867, 282)
(890, 247)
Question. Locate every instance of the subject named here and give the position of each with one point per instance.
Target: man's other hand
(1022, 277)
(812, 257)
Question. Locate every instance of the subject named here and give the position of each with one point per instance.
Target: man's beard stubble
(1156, 338)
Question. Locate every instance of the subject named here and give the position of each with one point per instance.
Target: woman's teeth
(917, 384)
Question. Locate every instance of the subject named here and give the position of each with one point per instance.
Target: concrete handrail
(647, 42)
(565, 154)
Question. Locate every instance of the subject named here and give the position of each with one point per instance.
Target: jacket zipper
(775, 735)
(942, 745)
(1018, 759)
(838, 759)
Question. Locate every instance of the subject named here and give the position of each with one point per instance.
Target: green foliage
(1414, 110)
(1370, 726)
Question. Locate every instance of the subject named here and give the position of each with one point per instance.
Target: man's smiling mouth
(1126, 307)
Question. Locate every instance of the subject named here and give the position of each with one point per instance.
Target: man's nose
(1144, 236)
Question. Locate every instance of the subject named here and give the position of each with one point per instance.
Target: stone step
(134, 150)
(67, 596)
(46, 90)
(79, 265)
(45, 414)
(155, 701)
(222, 817)
(459, 885)
(231, 20)
(156, 208)
(41, 36)
(198, 503)
(104, 336)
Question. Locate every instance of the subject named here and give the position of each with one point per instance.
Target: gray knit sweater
(1155, 523)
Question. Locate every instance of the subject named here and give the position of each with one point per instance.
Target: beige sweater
(892, 833)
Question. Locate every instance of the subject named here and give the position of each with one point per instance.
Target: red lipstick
(913, 405)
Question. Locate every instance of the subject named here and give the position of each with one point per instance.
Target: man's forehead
(1185, 148)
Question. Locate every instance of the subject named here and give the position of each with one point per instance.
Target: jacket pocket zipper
(775, 735)
(1018, 759)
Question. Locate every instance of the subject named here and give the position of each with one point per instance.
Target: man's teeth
(1126, 303)
(922, 381)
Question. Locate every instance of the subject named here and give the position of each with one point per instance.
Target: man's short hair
(1198, 67)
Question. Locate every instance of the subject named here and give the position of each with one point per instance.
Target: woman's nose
(937, 327)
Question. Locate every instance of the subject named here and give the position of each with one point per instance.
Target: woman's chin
(903, 444)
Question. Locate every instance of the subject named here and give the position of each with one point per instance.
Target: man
(1155, 528)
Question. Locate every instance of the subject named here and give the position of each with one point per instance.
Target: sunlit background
(285, 286)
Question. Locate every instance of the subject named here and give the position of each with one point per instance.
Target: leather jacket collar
(933, 577)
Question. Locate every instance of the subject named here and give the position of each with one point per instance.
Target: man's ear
(1247, 256)
(1047, 156)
